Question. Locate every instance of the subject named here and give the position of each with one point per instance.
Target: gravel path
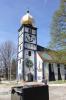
(57, 92)
(5, 93)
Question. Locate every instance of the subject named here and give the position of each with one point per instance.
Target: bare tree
(14, 68)
(7, 51)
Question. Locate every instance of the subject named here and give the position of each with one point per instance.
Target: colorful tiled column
(55, 71)
(62, 71)
(46, 70)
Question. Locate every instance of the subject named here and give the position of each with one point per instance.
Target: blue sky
(11, 12)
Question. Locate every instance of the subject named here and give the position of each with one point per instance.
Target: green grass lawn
(58, 82)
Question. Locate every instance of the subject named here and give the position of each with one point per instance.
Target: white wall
(39, 68)
(19, 69)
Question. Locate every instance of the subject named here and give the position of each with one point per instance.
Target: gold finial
(27, 11)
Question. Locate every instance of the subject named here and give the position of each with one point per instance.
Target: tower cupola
(27, 19)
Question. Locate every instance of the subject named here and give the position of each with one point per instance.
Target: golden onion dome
(27, 19)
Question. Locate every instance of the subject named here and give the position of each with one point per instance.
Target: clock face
(30, 38)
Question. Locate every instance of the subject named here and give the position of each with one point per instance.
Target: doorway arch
(30, 77)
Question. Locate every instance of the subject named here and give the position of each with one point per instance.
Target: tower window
(20, 47)
(29, 53)
(30, 30)
(20, 60)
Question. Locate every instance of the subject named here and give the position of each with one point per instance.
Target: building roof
(51, 56)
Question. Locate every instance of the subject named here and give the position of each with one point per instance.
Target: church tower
(27, 48)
